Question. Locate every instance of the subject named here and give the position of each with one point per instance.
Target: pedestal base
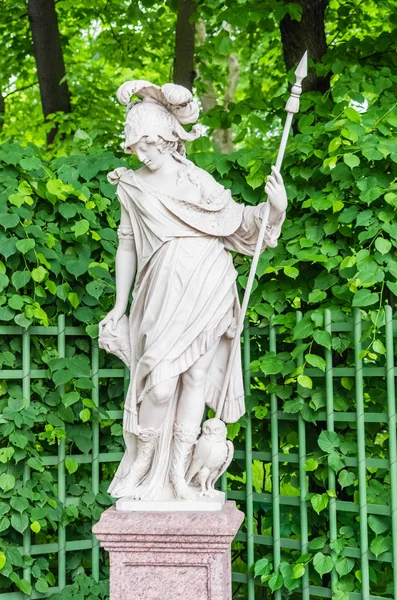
(197, 504)
(169, 555)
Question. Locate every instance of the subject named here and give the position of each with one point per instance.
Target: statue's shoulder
(209, 185)
(115, 176)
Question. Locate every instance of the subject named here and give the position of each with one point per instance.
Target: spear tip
(301, 69)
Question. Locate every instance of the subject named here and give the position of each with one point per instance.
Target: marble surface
(169, 555)
(199, 503)
(181, 339)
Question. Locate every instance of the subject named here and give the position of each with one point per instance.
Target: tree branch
(21, 89)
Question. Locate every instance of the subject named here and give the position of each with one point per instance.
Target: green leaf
(71, 465)
(9, 220)
(328, 441)
(56, 188)
(73, 299)
(35, 526)
(347, 383)
(298, 571)
(378, 347)
(316, 296)
(35, 463)
(6, 454)
(85, 415)
(7, 481)
(4, 524)
(351, 160)
(317, 400)
(3, 560)
(84, 314)
(379, 524)
(294, 406)
(262, 567)
(323, 338)
(22, 584)
(318, 543)
(20, 279)
(30, 164)
(382, 245)
(380, 544)
(303, 329)
(270, 364)
(22, 321)
(319, 502)
(117, 430)
(335, 461)
(275, 582)
(315, 361)
(364, 298)
(39, 274)
(95, 288)
(344, 565)
(371, 194)
(291, 272)
(311, 464)
(334, 144)
(323, 564)
(70, 398)
(20, 522)
(62, 377)
(81, 227)
(18, 439)
(305, 381)
(346, 478)
(352, 115)
(25, 245)
(8, 247)
(41, 585)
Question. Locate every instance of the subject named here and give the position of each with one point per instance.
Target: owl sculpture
(212, 455)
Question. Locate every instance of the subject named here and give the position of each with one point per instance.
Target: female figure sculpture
(177, 228)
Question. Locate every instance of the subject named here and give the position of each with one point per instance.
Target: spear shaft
(291, 107)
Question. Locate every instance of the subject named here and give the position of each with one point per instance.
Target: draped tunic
(184, 298)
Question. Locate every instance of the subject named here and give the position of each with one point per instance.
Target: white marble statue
(177, 230)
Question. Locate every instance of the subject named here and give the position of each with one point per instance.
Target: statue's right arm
(126, 262)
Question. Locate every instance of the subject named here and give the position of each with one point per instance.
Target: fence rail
(277, 461)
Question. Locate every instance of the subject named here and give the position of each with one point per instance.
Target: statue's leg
(191, 402)
(153, 408)
(151, 415)
(190, 411)
(146, 446)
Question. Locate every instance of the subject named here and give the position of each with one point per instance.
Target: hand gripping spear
(291, 107)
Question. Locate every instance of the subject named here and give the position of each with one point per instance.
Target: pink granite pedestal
(169, 555)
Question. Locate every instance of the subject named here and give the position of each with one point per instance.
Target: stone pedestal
(169, 555)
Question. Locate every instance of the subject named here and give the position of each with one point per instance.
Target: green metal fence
(276, 461)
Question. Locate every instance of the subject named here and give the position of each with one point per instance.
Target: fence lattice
(276, 460)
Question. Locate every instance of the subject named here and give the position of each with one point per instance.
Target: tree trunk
(222, 138)
(306, 34)
(48, 54)
(184, 73)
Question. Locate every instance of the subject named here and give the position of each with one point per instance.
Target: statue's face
(150, 154)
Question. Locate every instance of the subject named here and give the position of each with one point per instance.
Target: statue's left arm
(244, 239)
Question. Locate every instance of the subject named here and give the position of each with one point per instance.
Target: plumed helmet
(161, 112)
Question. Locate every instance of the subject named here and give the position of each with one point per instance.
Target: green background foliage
(58, 216)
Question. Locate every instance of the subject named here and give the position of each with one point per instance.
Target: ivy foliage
(58, 216)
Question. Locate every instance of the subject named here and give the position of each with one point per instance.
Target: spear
(291, 107)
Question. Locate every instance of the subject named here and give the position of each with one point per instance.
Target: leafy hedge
(57, 241)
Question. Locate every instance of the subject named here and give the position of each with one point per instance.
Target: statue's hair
(164, 146)
(161, 113)
(177, 149)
